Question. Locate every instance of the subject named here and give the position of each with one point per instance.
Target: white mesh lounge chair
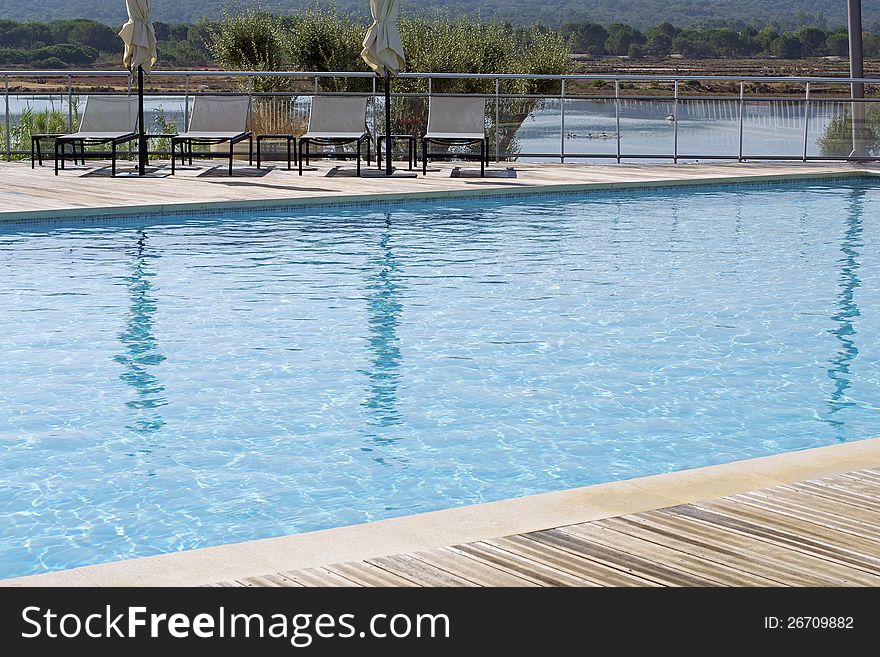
(336, 121)
(106, 120)
(455, 121)
(215, 120)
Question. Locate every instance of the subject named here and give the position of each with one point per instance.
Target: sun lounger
(455, 121)
(215, 120)
(336, 121)
(106, 120)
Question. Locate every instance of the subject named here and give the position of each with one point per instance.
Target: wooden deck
(823, 532)
(88, 190)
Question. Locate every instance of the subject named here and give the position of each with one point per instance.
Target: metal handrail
(676, 95)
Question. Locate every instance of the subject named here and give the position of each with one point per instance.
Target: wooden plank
(228, 585)
(799, 568)
(270, 580)
(367, 574)
(840, 505)
(866, 475)
(418, 571)
(593, 571)
(852, 481)
(512, 562)
(852, 485)
(860, 549)
(318, 577)
(842, 495)
(836, 516)
(476, 571)
(715, 549)
(714, 571)
(643, 567)
(796, 542)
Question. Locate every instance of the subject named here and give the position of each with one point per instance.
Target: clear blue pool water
(178, 383)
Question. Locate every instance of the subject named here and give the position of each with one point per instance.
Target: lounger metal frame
(305, 142)
(484, 151)
(186, 148)
(62, 141)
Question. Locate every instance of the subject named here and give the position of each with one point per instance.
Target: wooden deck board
(421, 572)
(823, 532)
(367, 574)
(717, 572)
(476, 571)
(798, 568)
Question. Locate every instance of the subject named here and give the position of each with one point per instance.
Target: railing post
(675, 125)
(742, 104)
(250, 116)
(375, 134)
(8, 123)
(316, 85)
(617, 114)
(70, 102)
(562, 123)
(186, 104)
(497, 121)
(806, 120)
(128, 91)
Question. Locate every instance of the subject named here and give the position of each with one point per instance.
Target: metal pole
(675, 125)
(497, 120)
(562, 123)
(617, 114)
(856, 70)
(389, 143)
(69, 104)
(186, 104)
(373, 131)
(142, 130)
(8, 136)
(250, 114)
(742, 107)
(806, 120)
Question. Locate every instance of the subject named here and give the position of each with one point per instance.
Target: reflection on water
(384, 306)
(141, 349)
(847, 311)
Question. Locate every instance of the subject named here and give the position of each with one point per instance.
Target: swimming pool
(182, 382)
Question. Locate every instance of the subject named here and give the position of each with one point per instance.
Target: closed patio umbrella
(383, 52)
(140, 55)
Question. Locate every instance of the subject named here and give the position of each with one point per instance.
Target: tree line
(642, 14)
(86, 43)
(665, 39)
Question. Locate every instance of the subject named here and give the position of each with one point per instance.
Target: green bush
(34, 122)
(254, 40)
(836, 141)
(321, 39)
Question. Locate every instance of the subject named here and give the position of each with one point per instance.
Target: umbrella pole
(142, 135)
(388, 141)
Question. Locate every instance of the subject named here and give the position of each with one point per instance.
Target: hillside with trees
(82, 43)
(638, 13)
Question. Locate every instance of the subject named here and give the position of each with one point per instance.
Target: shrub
(254, 40)
(836, 141)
